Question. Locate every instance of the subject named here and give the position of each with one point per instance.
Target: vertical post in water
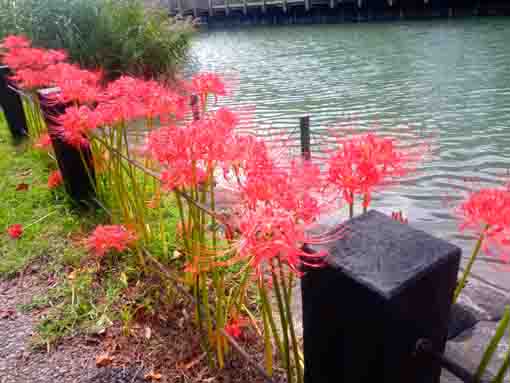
(195, 107)
(12, 105)
(76, 165)
(383, 287)
(304, 126)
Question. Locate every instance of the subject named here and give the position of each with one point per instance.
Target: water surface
(448, 79)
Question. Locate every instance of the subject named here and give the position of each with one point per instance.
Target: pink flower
(208, 83)
(362, 163)
(15, 231)
(268, 234)
(55, 179)
(110, 237)
(235, 326)
(75, 84)
(190, 153)
(487, 211)
(31, 65)
(74, 124)
(13, 42)
(204, 84)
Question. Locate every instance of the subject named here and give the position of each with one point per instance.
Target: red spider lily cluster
(279, 201)
(106, 238)
(94, 106)
(15, 231)
(55, 179)
(268, 234)
(191, 152)
(364, 162)
(487, 212)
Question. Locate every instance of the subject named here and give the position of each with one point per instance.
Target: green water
(445, 79)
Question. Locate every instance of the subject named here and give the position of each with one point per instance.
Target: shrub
(120, 36)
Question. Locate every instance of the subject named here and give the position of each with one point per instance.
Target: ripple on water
(445, 79)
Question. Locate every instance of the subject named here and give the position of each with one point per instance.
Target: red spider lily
(295, 188)
(33, 58)
(364, 162)
(44, 142)
(13, 42)
(190, 153)
(204, 84)
(15, 231)
(235, 326)
(75, 123)
(267, 234)
(247, 154)
(129, 98)
(487, 211)
(32, 79)
(55, 179)
(398, 216)
(75, 84)
(110, 237)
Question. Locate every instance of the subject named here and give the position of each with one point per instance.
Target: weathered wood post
(304, 127)
(75, 165)
(12, 105)
(385, 286)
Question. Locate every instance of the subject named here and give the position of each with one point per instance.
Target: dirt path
(19, 362)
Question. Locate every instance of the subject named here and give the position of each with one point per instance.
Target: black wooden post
(304, 126)
(75, 164)
(12, 106)
(385, 286)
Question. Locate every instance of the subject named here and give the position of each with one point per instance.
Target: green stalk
(493, 345)
(268, 347)
(284, 323)
(503, 369)
(199, 321)
(287, 301)
(266, 307)
(467, 271)
(182, 217)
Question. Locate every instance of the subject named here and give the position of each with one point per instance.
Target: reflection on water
(447, 79)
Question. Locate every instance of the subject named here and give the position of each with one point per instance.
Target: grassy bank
(84, 296)
(49, 222)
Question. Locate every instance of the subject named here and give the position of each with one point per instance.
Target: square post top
(385, 255)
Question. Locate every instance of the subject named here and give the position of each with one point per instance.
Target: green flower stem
(503, 369)
(266, 307)
(288, 300)
(284, 323)
(493, 345)
(467, 271)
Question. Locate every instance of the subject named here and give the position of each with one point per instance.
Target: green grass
(46, 216)
(96, 295)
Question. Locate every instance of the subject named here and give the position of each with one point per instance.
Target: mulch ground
(163, 348)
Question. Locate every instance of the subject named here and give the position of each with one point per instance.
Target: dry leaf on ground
(103, 360)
